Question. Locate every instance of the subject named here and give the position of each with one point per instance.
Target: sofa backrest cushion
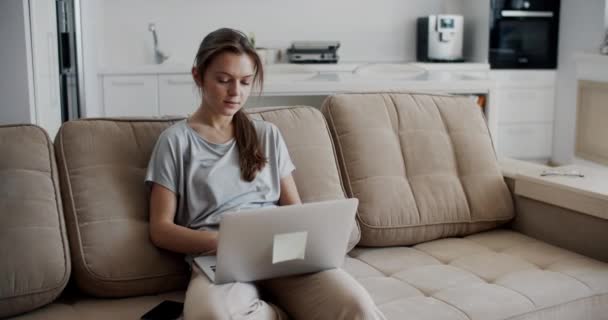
(103, 163)
(311, 148)
(422, 166)
(35, 261)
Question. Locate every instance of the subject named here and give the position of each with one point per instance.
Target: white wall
(581, 29)
(382, 30)
(477, 29)
(92, 42)
(606, 15)
(45, 63)
(15, 84)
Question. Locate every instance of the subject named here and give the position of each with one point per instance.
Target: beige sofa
(442, 234)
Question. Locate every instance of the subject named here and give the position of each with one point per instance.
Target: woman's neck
(216, 121)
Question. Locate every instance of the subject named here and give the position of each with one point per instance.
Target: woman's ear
(197, 77)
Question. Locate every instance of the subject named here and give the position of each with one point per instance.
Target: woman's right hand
(164, 233)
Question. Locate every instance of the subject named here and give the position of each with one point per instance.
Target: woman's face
(227, 83)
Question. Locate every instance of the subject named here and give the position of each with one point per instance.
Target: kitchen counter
(180, 68)
(325, 79)
(328, 83)
(169, 88)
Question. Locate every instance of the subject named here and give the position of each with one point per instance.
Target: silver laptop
(279, 241)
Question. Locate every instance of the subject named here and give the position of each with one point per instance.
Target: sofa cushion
(422, 166)
(498, 274)
(77, 308)
(103, 163)
(310, 146)
(35, 264)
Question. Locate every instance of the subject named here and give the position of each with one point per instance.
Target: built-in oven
(523, 34)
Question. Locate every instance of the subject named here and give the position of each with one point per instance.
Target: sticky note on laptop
(289, 246)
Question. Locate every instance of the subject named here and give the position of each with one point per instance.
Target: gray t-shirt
(206, 177)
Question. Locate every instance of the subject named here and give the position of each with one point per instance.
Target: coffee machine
(439, 38)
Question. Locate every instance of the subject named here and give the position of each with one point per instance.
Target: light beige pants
(331, 294)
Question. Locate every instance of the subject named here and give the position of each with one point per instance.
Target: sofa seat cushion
(423, 166)
(35, 261)
(498, 274)
(98, 309)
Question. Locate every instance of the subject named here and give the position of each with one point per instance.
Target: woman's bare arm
(165, 234)
(289, 192)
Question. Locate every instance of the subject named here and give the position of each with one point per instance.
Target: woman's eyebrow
(230, 75)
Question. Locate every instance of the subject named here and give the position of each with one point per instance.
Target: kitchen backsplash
(381, 30)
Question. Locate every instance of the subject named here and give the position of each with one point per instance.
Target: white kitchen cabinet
(525, 140)
(131, 91)
(525, 101)
(135, 95)
(520, 105)
(177, 95)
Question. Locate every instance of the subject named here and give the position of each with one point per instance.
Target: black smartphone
(166, 310)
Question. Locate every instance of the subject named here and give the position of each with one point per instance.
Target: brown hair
(251, 157)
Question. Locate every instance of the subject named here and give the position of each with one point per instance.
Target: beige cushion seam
(371, 266)
(59, 208)
(447, 131)
(432, 297)
(554, 306)
(453, 306)
(333, 131)
(569, 276)
(493, 219)
(407, 178)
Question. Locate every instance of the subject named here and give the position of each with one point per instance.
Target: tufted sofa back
(423, 166)
(34, 263)
(102, 164)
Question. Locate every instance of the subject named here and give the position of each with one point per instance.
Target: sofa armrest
(513, 167)
(570, 212)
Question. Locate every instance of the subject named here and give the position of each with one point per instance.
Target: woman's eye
(223, 80)
(245, 83)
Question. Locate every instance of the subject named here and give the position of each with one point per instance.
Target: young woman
(218, 160)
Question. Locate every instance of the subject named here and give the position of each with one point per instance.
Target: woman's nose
(233, 89)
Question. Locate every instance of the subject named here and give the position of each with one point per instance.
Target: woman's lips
(231, 103)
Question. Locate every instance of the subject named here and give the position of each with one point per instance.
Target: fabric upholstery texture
(499, 274)
(422, 166)
(572, 230)
(311, 149)
(35, 264)
(88, 308)
(102, 164)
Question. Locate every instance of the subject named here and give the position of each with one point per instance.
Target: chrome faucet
(604, 47)
(159, 56)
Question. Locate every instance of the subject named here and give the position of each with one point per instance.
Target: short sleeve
(286, 166)
(163, 166)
